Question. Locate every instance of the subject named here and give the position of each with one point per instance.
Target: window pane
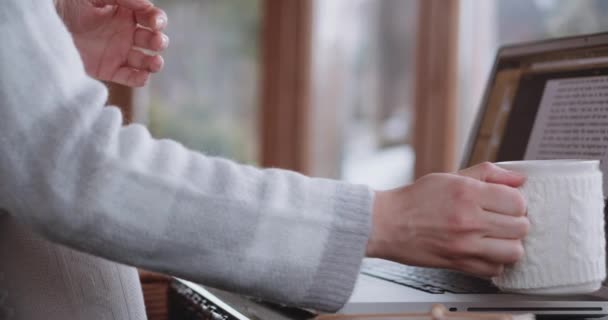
(362, 90)
(206, 97)
(485, 25)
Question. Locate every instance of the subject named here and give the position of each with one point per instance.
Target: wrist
(389, 223)
(374, 242)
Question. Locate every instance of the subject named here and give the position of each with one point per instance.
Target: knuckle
(463, 189)
(485, 166)
(457, 221)
(462, 218)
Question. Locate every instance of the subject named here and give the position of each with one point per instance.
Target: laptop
(543, 100)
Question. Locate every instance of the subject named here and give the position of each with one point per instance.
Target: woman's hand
(472, 221)
(106, 33)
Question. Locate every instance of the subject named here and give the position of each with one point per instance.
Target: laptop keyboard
(435, 281)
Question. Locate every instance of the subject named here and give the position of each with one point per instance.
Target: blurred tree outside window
(363, 68)
(207, 95)
(488, 24)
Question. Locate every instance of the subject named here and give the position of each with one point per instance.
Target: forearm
(74, 173)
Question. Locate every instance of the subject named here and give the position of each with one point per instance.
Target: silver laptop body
(502, 131)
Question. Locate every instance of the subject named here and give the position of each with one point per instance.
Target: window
(207, 95)
(485, 25)
(362, 74)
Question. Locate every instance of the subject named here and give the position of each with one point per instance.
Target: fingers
(135, 5)
(503, 251)
(498, 194)
(488, 172)
(487, 256)
(131, 77)
(153, 18)
(502, 199)
(503, 226)
(146, 14)
(138, 69)
(481, 268)
(138, 60)
(150, 40)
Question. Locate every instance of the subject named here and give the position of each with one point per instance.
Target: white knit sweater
(72, 173)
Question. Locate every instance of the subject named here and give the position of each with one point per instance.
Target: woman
(74, 175)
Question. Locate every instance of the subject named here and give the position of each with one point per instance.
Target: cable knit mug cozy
(565, 247)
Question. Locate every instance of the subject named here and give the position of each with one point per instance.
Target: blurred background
(340, 88)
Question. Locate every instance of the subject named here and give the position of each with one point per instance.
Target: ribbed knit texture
(71, 172)
(566, 244)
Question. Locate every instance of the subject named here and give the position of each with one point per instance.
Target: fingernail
(160, 22)
(165, 40)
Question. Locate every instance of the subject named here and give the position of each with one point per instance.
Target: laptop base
(374, 295)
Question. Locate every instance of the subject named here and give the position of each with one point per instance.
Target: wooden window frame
(285, 82)
(436, 86)
(284, 109)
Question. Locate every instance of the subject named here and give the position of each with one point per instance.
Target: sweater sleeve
(69, 169)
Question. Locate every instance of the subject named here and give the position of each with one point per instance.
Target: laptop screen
(545, 105)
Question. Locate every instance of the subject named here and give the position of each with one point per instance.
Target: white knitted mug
(565, 248)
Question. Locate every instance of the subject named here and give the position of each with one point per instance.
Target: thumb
(491, 173)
